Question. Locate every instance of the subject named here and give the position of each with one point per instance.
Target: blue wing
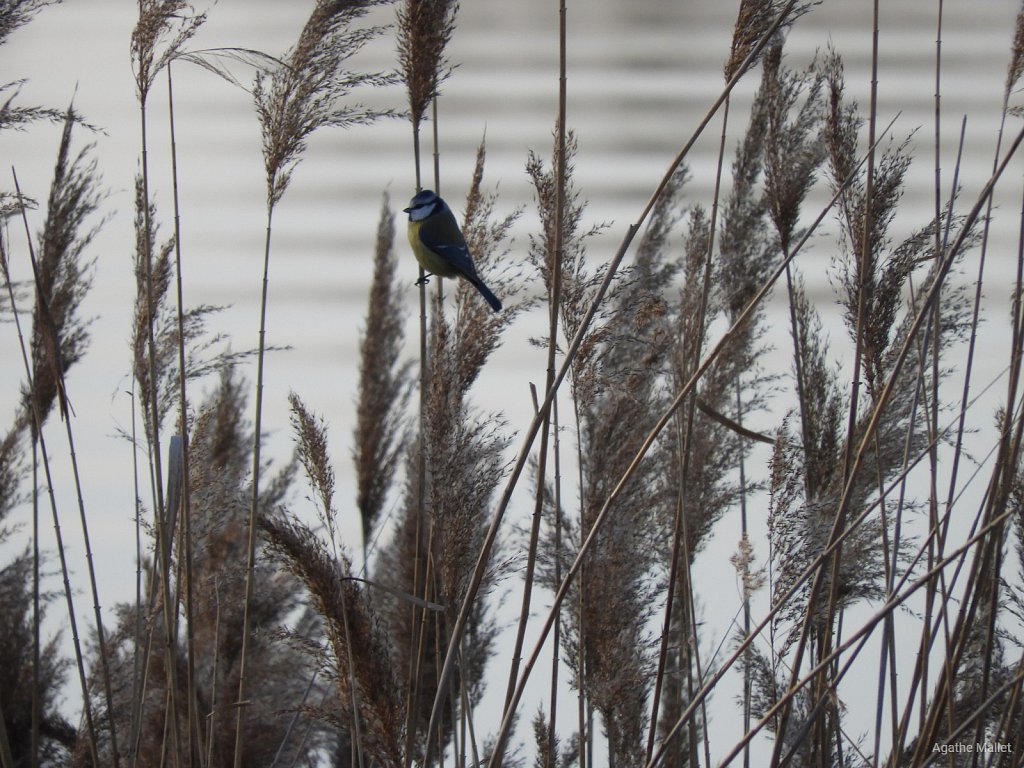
(442, 236)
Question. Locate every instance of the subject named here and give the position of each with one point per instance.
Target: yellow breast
(429, 260)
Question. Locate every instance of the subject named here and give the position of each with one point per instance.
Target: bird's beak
(406, 210)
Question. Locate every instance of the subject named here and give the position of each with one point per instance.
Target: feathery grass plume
(745, 255)
(578, 285)
(384, 384)
(163, 28)
(754, 19)
(306, 91)
(699, 480)
(793, 152)
(12, 473)
(17, 13)
(793, 149)
(63, 275)
(477, 330)
(20, 118)
(302, 93)
(151, 277)
(311, 436)
(16, 634)
(357, 658)
(800, 532)
(867, 267)
(705, 450)
(1016, 66)
(203, 359)
(220, 504)
(548, 754)
(617, 395)
(424, 29)
(357, 652)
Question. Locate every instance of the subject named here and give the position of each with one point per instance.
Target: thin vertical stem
(186, 496)
(36, 617)
(554, 300)
(250, 571)
(153, 415)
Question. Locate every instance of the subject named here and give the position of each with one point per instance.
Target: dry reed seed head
(306, 89)
(793, 146)
(17, 13)
(842, 122)
(311, 436)
(384, 382)
(219, 475)
(63, 274)
(425, 28)
(161, 274)
(12, 472)
(1016, 66)
(477, 331)
(359, 648)
(746, 252)
(19, 118)
(822, 398)
(578, 284)
(16, 670)
(751, 579)
(754, 19)
(170, 23)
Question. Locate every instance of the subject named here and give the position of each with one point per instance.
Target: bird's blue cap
(423, 197)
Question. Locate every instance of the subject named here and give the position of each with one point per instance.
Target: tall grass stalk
(424, 31)
(38, 437)
(170, 24)
(61, 281)
(192, 716)
(554, 265)
(304, 93)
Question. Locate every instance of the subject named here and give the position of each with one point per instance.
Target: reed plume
(17, 13)
(384, 384)
(309, 89)
(18, 688)
(368, 706)
(64, 273)
(305, 92)
(753, 21)
(424, 29)
(161, 32)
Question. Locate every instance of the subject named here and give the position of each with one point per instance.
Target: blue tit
(438, 243)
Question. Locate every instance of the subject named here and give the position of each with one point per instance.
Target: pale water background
(641, 74)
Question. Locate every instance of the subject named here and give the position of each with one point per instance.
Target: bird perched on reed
(438, 243)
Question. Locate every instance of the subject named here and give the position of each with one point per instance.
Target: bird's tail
(486, 293)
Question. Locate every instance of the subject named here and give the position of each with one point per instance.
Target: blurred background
(640, 76)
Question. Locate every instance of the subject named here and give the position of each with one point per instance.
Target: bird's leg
(425, 279)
